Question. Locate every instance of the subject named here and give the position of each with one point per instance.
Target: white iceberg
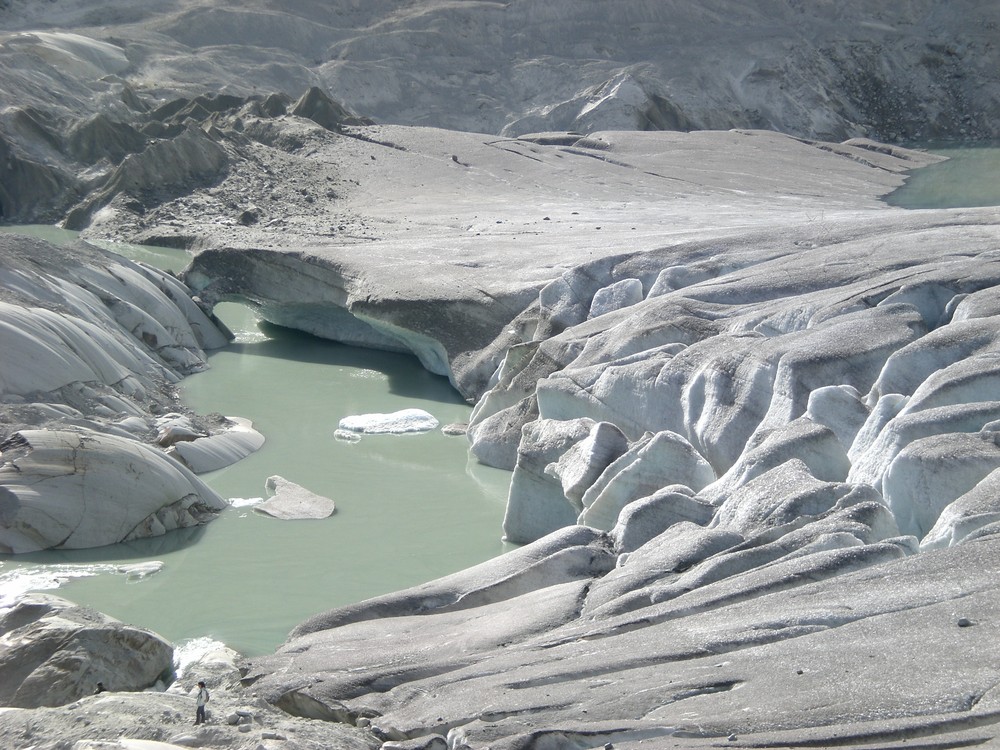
(244, 502)
(137, 571)
(396, 423)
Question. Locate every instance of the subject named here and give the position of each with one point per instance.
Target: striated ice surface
(750, 410)
(92, 347)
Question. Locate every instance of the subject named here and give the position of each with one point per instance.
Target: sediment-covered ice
(290, 501)
(790, 416)
(72, 489)
(92, 347)
(749, 408)
(861, 378)
(203, 453)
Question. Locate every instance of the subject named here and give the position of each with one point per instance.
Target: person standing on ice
(202, 699)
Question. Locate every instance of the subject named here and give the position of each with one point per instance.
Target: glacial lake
(410, 508)
(970, 177)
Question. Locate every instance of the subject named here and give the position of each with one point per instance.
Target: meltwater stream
(410, 508)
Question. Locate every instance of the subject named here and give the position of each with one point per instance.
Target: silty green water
(970, 177)
(410, 508)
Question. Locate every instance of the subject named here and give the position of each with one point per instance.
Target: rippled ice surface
(410, 508)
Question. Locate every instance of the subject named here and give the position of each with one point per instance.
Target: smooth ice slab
(290, 501)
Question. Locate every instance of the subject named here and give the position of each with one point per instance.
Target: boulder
(53, 652)
(76, 488)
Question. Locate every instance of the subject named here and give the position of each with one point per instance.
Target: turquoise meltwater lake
(410, 508)
(970, 177)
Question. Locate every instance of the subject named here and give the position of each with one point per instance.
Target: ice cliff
(752, 435)
(745, 408)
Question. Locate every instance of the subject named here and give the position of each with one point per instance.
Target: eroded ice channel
(410, 508)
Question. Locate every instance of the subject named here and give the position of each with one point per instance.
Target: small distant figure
(100, 688)
(199, 716)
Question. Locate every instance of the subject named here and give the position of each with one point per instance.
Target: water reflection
(409, 380)
(137, 549)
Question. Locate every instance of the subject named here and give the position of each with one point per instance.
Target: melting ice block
(290, 501)
(398, 422)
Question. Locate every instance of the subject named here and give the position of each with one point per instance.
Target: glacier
(749, 409)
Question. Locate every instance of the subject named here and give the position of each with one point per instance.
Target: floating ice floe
(290, 501)
(138, 571)
(244, 502)
(396, 423)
